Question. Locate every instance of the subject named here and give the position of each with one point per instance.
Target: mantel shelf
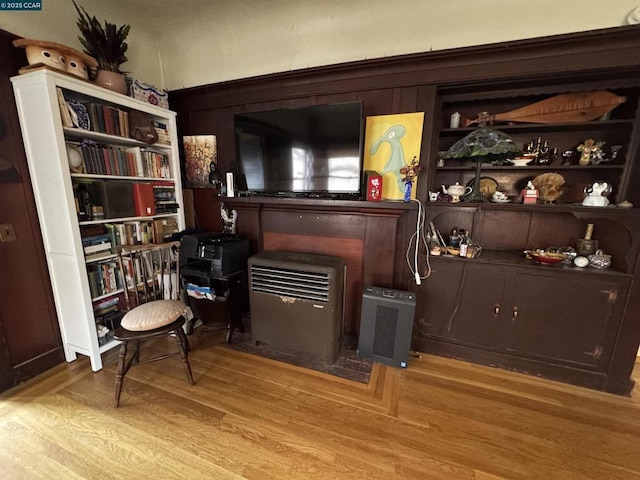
(319, 203)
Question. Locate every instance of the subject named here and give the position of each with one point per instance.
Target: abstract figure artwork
(200, 152)
(391, 141)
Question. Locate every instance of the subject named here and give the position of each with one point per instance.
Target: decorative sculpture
(229, 219)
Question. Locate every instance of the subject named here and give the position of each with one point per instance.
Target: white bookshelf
(44, 139)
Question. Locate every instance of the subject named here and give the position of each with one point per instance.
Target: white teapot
(456, 191)
(596, 194)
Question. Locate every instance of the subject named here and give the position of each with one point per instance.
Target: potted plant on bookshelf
(107, 45)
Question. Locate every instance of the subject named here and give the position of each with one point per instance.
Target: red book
(144, 199)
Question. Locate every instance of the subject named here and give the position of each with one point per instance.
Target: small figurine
(596, 194)
(540, 152)
(228, 219)
(567, 157)
(215, 177)
(530, 194)
(590, 150)
(600, 260)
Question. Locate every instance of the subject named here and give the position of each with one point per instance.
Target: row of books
(151, 271)
(107, 119)
(93, 116)
(102, 159)
(141, 232)
(102, 118)
(131, 233)
(103, 278)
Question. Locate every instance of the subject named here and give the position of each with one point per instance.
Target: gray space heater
(297, 301)
(386, 325)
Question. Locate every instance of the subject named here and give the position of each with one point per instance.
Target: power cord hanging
(418, 236)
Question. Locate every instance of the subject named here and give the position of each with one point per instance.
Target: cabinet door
(438, 296)
(477, 317)
(566, 318)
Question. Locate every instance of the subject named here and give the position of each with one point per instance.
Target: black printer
(213, 254)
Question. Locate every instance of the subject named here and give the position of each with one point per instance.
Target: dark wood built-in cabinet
(502, 309)
(565, 322)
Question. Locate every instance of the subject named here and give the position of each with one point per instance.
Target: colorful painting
(391, 142)
(200, 152)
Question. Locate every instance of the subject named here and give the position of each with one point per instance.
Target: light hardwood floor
(253, 418)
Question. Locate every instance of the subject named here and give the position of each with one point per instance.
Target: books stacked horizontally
(163, 133)
(97, 247)
(108, 318)
(164, 194)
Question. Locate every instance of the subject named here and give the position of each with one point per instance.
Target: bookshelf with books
(98, 188)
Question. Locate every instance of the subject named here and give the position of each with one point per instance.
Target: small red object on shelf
(373, 186)
(530, 194)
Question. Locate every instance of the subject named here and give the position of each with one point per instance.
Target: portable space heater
(386, 325)
(297, 301)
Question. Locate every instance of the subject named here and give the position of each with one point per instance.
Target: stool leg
(120, 373)
(181, 340)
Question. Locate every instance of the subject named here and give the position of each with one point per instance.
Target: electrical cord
(418, 236)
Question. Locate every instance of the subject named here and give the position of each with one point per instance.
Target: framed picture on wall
(201, 160)
(391, 142)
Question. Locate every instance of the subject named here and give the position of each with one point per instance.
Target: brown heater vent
(290, 283)
(297, 301)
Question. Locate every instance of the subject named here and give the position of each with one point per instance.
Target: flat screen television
(306, 151)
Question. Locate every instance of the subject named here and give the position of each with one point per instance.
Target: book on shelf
(155, 164)
(138, 232)
(163, 229)
(162, 131)
(108, 119)
(111, 319)
(105, 159)
(165, 197)
(98, 256)
(115, 232)
(65, 114)
(106, 305)
(134, 156)
(82, 199)
(98, 248)
(144, 199)
(96, 243)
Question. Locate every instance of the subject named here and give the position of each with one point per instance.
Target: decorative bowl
(521, 162)
(545, 257)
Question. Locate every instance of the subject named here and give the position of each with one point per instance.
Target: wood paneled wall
(402, 84)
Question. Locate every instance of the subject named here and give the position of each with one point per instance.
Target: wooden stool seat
(166, 313)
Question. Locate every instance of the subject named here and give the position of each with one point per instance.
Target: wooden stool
(147, 321)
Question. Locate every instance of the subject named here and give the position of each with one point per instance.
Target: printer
(213, 254)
